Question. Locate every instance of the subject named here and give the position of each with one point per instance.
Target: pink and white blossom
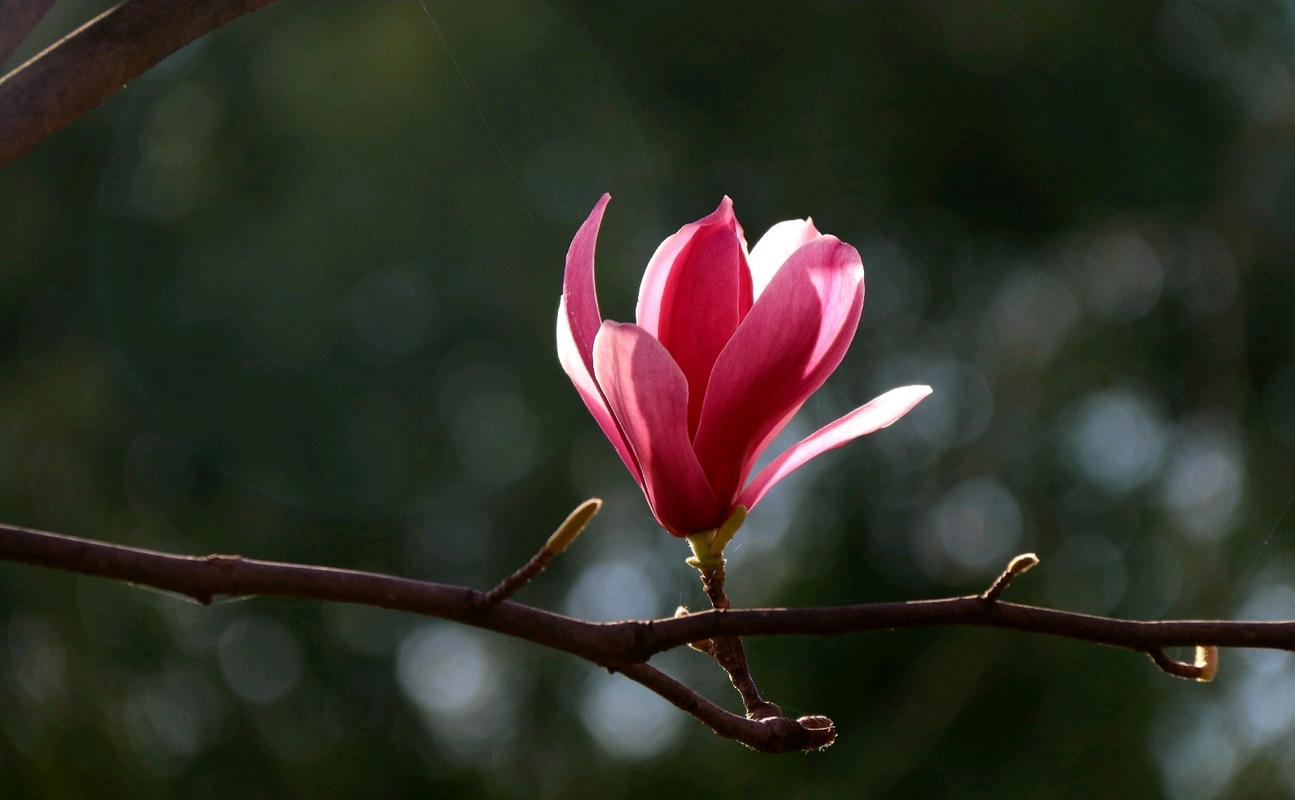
(726, 347)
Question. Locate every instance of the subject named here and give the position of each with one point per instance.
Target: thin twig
(94, 62)
(561, 539)
(622, 646)
(507, 587)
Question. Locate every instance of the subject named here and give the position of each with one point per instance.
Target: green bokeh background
(292, 293)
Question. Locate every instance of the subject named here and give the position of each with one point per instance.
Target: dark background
(292, 295)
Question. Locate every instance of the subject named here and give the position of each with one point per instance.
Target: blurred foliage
(292, 295)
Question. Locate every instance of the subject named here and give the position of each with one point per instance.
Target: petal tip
(909, 396)
(835, 244)
(724, 211)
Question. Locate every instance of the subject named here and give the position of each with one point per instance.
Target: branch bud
(573, 525)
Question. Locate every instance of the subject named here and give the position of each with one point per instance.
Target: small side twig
(1017, 566)
(571, 527)
(1202, 670)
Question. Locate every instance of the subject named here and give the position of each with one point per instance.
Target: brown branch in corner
(626, 646)
(17, 18)
(94, 62)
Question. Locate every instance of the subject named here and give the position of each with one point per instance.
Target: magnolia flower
(727, 347)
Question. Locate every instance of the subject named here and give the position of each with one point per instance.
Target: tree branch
(625, 647)
(94, 62)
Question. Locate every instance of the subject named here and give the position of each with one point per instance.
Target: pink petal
(878, 414)
(705, 293)
(570, 358)
(775, 247)
(649, 396)
(790, 342)
(578, 323)
(579, 296)
(653, 291)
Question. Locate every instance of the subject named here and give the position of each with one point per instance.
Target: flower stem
(728, 651)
